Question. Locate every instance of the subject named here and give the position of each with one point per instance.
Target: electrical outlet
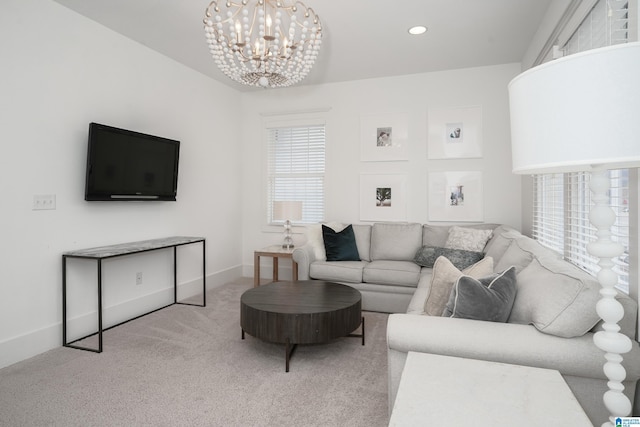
(44, 202)
(139, 278)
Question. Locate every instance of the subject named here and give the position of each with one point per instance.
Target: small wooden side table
(275, 252)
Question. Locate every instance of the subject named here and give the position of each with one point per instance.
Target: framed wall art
(383, 197)
(455, 133)
(383, 137)
(456, 196)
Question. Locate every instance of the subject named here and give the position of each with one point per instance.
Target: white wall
(414, 95)
(60, 71)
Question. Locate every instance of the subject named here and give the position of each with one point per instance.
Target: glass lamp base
(288, 241)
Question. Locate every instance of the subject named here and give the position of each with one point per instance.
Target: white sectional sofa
(550, 325)
(386, 275)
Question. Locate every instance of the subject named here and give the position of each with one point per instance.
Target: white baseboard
(28, 345)
(39, 341)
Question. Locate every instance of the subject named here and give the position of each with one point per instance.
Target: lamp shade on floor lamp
(578, 112)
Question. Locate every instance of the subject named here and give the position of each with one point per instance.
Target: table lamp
(582, 113)
(287, 211)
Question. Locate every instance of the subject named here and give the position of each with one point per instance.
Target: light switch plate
(44, 202)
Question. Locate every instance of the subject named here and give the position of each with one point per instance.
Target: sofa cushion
(435, 235)
(315, 240)
(338, 271)
(556, 298)
(489, 298)
(340, 245)
(427, 255)
(520, 252)
(399, 273)
(443, 278)
(500, 240)
(395, 241)
(468, 239)
(363, 240)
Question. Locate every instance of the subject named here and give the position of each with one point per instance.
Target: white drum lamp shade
(582, 113)
(577, 112)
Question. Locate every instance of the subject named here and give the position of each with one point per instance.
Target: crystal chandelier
(264, 43)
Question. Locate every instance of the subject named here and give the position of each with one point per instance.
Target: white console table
(449, 391)
(105, 252)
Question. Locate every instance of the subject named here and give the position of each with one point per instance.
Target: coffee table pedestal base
(290, 347)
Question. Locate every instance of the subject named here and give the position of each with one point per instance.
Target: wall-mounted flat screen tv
(125, 165)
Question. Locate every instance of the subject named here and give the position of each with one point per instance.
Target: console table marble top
(132, 247)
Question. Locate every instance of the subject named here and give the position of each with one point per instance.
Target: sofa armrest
(497, 342)
(303, 256)
(416, 305)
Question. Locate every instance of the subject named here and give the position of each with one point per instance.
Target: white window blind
(619, 199)
(548, 210)
(562, 203)
(579, 231)
(296, 166)
(607, 24)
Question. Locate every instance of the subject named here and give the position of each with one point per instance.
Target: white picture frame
(454, 133)
(383, 137)
(456, 196)
(383, 197)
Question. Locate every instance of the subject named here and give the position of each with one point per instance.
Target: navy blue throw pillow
(341, 245)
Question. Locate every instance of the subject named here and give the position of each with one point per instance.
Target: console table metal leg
(99, 306)
(64, 300)
(204, 278)
(175, 274)
(204, 274)
(65, 342)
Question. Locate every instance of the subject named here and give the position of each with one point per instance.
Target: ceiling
(362, 38)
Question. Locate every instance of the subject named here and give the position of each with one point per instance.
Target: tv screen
(127, 165)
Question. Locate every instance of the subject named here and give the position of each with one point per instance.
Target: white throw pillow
(315, 240)
(468, 239)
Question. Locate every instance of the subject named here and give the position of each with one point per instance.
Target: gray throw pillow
(426, 256)
(490, 298)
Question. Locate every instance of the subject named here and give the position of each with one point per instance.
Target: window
(295, 168)
(562, 203)
(548, 210)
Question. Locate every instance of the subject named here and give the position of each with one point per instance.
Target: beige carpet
(187, 366)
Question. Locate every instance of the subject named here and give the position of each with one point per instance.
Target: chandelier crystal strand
(264, 43)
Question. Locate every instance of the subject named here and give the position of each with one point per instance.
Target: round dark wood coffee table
(302, 312)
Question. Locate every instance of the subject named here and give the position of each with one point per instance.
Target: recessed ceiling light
(420, 29)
